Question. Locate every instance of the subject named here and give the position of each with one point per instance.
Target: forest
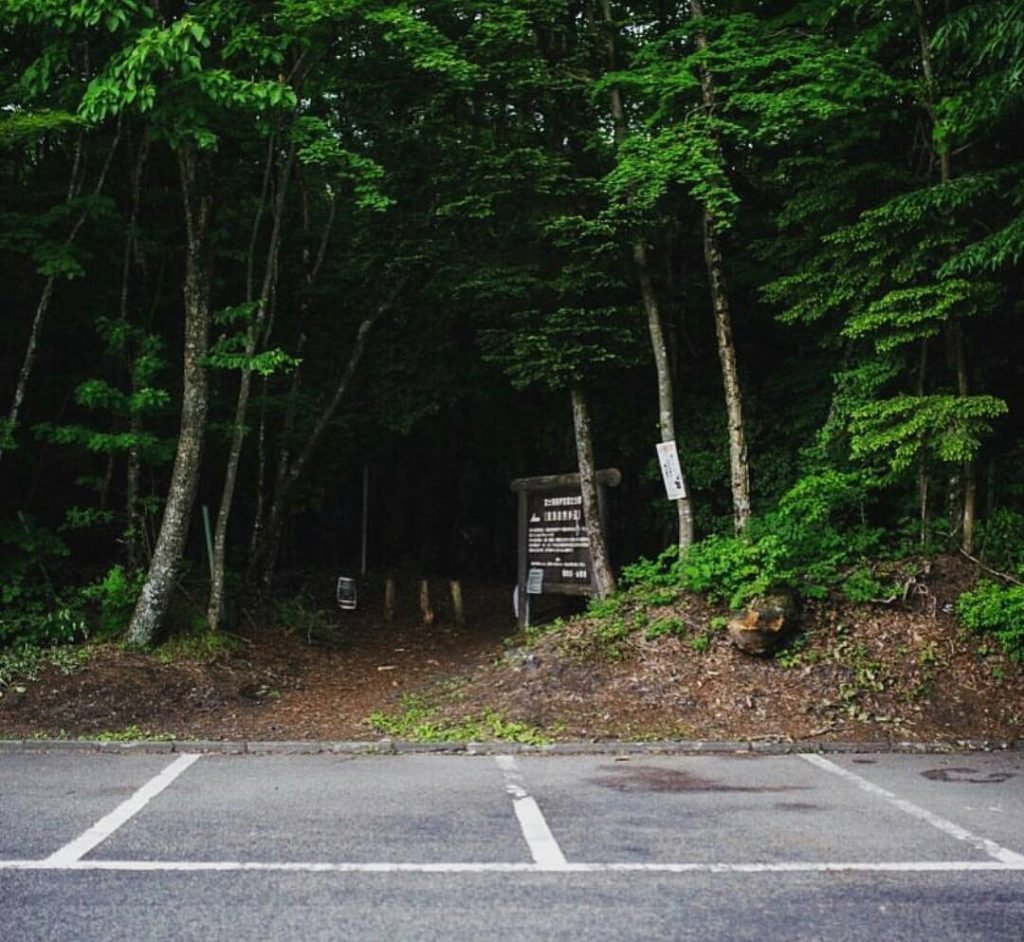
(271, 265)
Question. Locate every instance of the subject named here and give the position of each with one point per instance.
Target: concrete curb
(385, 747)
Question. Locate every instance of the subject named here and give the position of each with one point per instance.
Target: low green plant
(793, 654)
(202, 647)
(417, 721)
(806, 544)
(604, 608)
(301, 615)
(701, 643)
(862, 585)
(32, 610)
(670, 625)
(1000, 539)
(114, 596)
(40, 625)
(997, 610)
(25, 663)
(130, 733)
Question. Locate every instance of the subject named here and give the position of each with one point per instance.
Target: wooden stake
(389, 599)
(425, 610)
(460, 612)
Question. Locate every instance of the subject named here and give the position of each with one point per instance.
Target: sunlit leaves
(895, 431)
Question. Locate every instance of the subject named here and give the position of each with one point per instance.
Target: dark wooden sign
(553, 537)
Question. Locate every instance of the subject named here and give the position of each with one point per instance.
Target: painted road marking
(547, 855)
(156, 866)
(983, 844)
(73, 852)
(544, 848)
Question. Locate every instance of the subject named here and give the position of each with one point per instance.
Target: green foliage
(41, 625)
(228, 353)
(1000, 539)
(32, 611)
(319, 148)
(201, 646)
(997, 610)
(25, 549)
(417, 721)
(862, 585)
(897, 430)
(301, 615)
(669, 625)
(114, 595)
(25, 662)
(794, 654)
(21, 129)
(806, 544)
(686, 155)
(131, 733)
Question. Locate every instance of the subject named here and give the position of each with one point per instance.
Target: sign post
(554, 545)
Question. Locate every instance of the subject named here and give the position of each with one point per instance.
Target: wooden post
(457, 606)
(389, 599)
(426, 611)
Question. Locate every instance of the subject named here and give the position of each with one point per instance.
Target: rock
(765, 623)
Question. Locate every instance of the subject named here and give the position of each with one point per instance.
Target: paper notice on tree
(671, 473)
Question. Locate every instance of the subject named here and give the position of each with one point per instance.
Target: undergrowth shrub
(806, 544)
(114, 596)
(997, 610)
(32, 611)
(1000, 539)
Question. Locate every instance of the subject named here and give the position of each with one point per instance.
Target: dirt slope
(904, 671)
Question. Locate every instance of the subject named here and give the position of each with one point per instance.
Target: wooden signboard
(554, 546)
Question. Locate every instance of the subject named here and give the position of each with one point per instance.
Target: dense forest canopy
(259, 254)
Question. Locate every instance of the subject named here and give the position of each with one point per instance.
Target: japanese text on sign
(556, 537)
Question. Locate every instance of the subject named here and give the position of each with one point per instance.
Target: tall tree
(161, 73)
(649, 295)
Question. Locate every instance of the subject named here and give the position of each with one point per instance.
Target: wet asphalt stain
(966, 775)
(649, 778)
(799, 806)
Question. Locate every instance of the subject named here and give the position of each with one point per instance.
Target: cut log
(765, 624)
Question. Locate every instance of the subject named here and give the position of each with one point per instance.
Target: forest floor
(900, 671)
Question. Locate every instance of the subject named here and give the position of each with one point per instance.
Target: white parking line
(547, 855)
(983, 844)
(544, 848)
(73, 852)
(221, 866)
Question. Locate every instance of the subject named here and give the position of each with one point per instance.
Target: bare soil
(902, 670)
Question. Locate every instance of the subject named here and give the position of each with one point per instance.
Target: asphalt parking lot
(123, 845)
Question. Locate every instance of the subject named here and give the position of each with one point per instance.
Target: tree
(160, 72)
(652, 308)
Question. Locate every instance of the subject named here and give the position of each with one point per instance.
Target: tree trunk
(604, 579)
(922, 471)
(265, 555)
(666, 403)
(151, 606)
(663, 372)
(259, 548)
(954, 332)
(134, 523)
(7, 429)
(253, 337)
(739, 466)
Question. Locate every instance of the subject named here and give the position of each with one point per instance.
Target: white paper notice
(671, 473)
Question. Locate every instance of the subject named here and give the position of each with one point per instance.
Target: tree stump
(765, 623)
